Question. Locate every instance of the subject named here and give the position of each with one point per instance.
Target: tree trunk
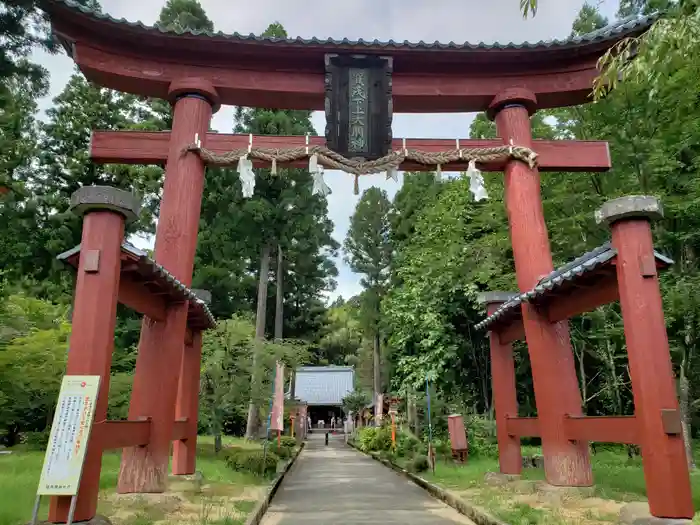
(685, 417)
(217, 443)
(414, 416)
(252, 425)
(279, 304)
(377, 373)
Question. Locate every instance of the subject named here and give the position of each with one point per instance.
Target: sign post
(431, 452)
(70, 432)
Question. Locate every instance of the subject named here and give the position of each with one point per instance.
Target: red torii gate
(198, 72)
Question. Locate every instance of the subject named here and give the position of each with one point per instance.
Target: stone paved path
(338, 485)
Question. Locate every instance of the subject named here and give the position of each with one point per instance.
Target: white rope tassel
(476, 182)
(320, 186)
(246, 176)
(313, 163)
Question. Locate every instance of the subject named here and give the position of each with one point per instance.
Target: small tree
(354, 403)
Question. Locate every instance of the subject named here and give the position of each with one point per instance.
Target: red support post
(505, 399)
(94, 317)
(651, 371)
(185, 450)
(154, 394)
(567, 463)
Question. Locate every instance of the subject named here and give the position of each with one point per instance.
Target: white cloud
(427, 20)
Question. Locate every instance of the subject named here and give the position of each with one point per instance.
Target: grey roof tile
(620, 28)
(324, 385)
(178, 287)
(580, 266)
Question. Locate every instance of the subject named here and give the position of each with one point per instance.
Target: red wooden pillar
(94, 316)
(653, 384)
(505, 398)
(154, 394)
(187, 406)
(567, 463)
(185, 450)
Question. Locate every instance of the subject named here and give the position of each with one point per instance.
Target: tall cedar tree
(368, 252)
(237, 243)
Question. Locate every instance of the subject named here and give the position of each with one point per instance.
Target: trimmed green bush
(280, 450)
(245, 460)
(288, 441)
(407, 445)
(374, 439)
(365, 437)
(419, 464)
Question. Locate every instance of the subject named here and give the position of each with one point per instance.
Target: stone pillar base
(555, 494)
(637, 513)
(186, 483)
(498, 478)
(97, 520)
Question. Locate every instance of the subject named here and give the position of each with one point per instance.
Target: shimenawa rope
(332, 160)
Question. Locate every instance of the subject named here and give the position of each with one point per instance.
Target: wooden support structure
(155, 387)
(110, 271)
(653, 384)
(624, 270)
(185, 448)
(567, 463)
(504, 391)
(105, 211)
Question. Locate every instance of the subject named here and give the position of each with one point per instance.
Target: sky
(428, 20)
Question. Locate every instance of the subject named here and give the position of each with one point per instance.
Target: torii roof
(630, 26)
(288, 73)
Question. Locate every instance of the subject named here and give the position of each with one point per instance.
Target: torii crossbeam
(151, 147)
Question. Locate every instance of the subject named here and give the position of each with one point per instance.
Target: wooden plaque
(358, 105)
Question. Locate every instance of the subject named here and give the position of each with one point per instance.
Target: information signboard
(72, 422)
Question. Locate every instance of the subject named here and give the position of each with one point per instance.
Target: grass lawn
(226, 499)
(618, 479)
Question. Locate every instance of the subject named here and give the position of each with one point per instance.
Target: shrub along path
(336, 484)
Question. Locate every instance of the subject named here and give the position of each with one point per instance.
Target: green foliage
(342, 335)
(669, 46)
(32, 363)
(119, 396)
(184, 15)
(227, 366)
(528, 7)
(37, 440)
(481, 437)
(355, 402)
